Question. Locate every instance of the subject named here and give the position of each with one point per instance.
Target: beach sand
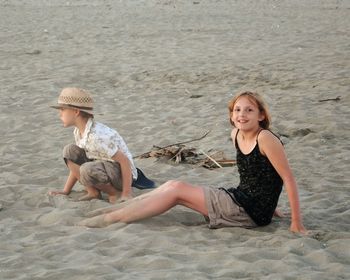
(143, 60)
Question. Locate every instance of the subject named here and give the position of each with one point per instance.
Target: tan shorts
(93, 172)
(224, 212)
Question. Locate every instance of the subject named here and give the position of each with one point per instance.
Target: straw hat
(75, 98)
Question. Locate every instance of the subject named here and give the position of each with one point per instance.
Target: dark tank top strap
(236, 144)
(261, 129)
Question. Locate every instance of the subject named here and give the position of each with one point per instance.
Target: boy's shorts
(224, 212)
(93, 172)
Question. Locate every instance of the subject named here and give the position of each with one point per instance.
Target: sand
(143, 60)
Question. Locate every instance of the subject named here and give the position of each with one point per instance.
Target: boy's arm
(71, 180)
(126, 173)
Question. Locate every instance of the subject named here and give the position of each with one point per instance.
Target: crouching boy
(99, 159)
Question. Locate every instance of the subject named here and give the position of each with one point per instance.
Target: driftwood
(216, 160)
(145, 155)
(330, 99)
(179, 153)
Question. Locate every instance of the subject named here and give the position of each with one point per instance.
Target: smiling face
(246, 114)
(68, 116)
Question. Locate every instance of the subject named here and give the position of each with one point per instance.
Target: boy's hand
(124, 198)
(57, 192)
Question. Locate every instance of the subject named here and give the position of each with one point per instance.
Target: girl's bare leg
(109, 209)
(154, 203)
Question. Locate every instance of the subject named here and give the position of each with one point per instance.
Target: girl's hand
(298, 227)
(279, 214)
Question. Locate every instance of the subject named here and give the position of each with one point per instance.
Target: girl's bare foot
(95, 222)
(102, 211)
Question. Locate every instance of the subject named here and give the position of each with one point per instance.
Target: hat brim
(60, 106)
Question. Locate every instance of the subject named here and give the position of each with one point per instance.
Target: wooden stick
(179, 143)
(178, 152)
(330, 99)
(209, 157)
(189, 141)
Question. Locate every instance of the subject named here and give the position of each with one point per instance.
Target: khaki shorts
(224, 212)
(93, 172)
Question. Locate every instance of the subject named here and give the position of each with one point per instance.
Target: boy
(99, 159)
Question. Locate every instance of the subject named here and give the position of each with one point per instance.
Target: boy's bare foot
(90, 196)
(112, 199)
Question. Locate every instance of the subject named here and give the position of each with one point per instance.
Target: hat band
(78, 107)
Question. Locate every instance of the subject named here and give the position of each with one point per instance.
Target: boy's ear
(76, 112)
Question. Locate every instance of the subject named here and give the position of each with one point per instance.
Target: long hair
(258, 100)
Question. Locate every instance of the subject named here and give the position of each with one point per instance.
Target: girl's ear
(261, 117)
(231, 120)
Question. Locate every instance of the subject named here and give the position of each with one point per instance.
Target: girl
(263, 169)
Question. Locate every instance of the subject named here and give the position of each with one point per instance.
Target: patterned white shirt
(101, 143)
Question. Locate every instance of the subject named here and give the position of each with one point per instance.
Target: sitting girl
(263, 169)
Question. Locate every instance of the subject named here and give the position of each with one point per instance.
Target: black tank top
(260, 185)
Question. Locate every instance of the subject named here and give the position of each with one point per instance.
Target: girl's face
(68, 116)
(246, 114)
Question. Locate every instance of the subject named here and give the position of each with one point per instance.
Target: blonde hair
(258, 100)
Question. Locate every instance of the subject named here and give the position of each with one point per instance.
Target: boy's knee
(70, 150)
(74, 153)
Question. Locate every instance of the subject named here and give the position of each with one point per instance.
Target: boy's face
(68, 116)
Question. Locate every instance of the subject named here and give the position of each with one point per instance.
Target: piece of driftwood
(330, 99)
(146, 155)
(179, 153)
(212, 159)
(196, 96)
(216, 160)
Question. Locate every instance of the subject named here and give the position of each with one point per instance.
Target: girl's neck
(250, 135)
(81, 125)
